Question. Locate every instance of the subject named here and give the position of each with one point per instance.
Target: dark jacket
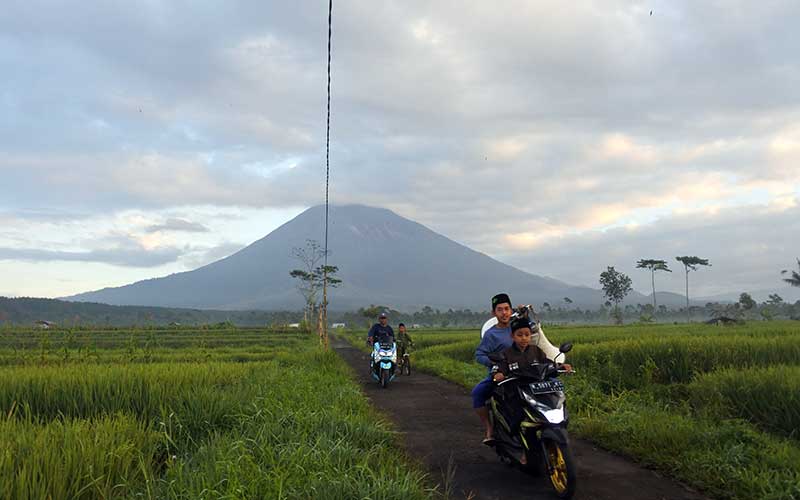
(514, 358)
(381, 333)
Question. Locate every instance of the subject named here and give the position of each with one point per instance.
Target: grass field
(183, 413)
(718, 407)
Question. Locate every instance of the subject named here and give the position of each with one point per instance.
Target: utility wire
(328, 134)
(324, 332)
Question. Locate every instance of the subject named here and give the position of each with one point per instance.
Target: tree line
(617, 285)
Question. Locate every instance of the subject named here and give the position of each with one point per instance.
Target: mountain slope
(383, 259)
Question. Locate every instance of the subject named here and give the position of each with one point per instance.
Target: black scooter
(529, 415)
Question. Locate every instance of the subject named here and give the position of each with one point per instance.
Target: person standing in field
(381, 331)
(495, 340)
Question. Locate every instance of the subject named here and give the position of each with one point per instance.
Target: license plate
(547, 386)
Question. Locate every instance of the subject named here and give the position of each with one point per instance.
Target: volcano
(383, 258)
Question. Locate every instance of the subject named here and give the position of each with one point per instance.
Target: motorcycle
(384, 362)
(529, 415)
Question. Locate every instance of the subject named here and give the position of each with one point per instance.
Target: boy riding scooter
(496, 339)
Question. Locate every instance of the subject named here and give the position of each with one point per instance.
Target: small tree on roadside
(616, 286)
(310, 257)
(653, 265)
(690, 263)
(312, 276)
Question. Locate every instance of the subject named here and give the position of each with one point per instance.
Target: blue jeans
(482, 392)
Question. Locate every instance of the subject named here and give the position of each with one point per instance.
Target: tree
(653, 265)
(794, 278)
(312, 276)
(616, 286)
(310, 257)
(746, 301)
(775, 299)
(326, 274)
(690, 263)
(727, 311)
(371, 312)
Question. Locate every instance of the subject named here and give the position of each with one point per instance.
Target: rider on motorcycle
(497, 339)
(403, 340)
(520, 354)
(381, 331)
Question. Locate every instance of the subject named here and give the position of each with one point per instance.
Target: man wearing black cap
(497, 339)
(381, 331)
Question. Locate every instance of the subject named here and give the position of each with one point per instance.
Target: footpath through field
(440, 429)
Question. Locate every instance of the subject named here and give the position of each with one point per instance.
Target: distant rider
(403, 340)
(381, 331)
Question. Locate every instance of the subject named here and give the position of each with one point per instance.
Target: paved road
(440, 429)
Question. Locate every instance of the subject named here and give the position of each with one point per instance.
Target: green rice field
(717, 407)
(260, 413)
(190, 414)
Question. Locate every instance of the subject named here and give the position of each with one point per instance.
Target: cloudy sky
(143, 138)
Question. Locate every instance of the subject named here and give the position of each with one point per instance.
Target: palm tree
(794, 278)
(690, 264)
(653, 265)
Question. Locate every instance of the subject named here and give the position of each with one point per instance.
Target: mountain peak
(383, 258)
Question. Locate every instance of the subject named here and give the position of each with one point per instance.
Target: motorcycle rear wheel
(562, 476)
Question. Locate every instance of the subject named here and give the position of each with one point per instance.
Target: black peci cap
(518, 323)
(500, 298)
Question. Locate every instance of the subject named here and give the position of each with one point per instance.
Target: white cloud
(505, 126)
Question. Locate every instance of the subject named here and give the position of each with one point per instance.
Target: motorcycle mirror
(565, 347)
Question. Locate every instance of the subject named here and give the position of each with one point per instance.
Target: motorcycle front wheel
(407, 365)
(384, 377)
(562, 468)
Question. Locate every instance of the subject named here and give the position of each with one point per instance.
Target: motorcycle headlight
(529, 398)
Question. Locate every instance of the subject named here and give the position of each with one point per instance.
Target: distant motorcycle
(384, 362)
(529, 415)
